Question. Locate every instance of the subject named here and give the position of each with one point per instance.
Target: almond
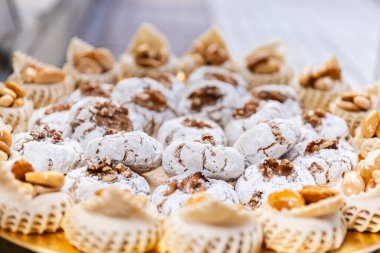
(285, 199)
(16, 88)
(362, 102)
(50, 76)
(104, 58)
(6, 137)
(20, 168)
(49, 178)
(6, 100)
(352, 183)
(6, 91)
(18, 102)
(348, 106)
(3, 156)
(4, 147)
(313, 194)
(369, 125)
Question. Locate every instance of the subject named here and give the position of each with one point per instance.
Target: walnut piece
(46, 132)
(270, 167)
(94, 61)
(107, 171)
(58, 108)
(212, 54)
(93, 89)
(195, 123)
(147, 56)
(314, 117)
(112, 117)
(249, 108)
(222, 78)
(151, 99)
(191, 184)
(317, 145)
(206, 96)
(269, 95)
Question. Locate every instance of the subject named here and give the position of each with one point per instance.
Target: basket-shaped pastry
(17, 117)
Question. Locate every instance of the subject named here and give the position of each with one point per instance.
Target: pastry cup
(17, 117)
(77, 46)
(284, 76)
(312, 228)
(23, 213)
(40, 94)
(150, 35)
(362, 211)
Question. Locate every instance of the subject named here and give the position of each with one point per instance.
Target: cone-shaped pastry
(266, 64)
(367, 136)
(113, 221)
(43, 83)
(208, 225)
(31, 202)
(85, 63)
(318, 86)
(15, 108)
(353, 107)
(209, 49)
(362, 193)
(147, 54)
(306, 221)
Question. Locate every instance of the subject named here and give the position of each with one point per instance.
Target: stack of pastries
(199, 153)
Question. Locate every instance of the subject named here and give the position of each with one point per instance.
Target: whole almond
(349, 95)
(16, 88)
(269, 67)
(378, 132)
(362, 102)
(48, 178)
(6, 91)
(323, 84)
(6, 100)
(6, 137)
(370, 125)
(348, 106)
(18, 102)
(50, 76)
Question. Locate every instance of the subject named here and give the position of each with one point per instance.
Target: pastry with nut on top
(367, 136)
(89, 89)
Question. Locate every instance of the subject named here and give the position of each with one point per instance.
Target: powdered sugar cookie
(177, 191)
(147, 98)
(259, 180)
(317, 124)
(220, 74)
(55, 116)
(46, 149)
(269, 139)
(326, 159)
(135, 149)
(82, 183)
(89, 89)
(95, 116)
(214, 161)
(215, 100)
(189, 128)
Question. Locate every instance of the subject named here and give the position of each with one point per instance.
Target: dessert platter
(198, 153)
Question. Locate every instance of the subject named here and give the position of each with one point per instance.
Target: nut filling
(195, 123)
(35, 74)
(271, 167)
(147, 56)
(314, 117)
(316, 146)
(94, 61)
(263, 64)
(191, 184)
(355, 101)
(108, 171)
(45, 133)
(58, 108)
(151, 99)
(212, 54)
(205, 96)
(269, 95)
(11, 95)
(247, 110)
(93, 89)
(112, 117)
(222, 78)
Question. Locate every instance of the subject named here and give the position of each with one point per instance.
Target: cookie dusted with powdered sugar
(177, 191)
(213, 99)
(94, 117)
(55, 116)
(135, 149)
(259, 180)
(326, 159)
(84, 182)
(147, 98)
(90, 89)
(317, 124)
(214, 161)
(269, 139)
(189, 128)
(221, 74)
(169, 81)
(46, 149)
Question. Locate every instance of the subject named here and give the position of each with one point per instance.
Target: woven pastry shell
(94, 233)
(76, 46)
(20, 212)
(182, 237)
(17, 117)
(284, 232)
(366, 145)
(362, 211)
(284, 76)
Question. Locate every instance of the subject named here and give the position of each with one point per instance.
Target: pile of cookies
(200, 153)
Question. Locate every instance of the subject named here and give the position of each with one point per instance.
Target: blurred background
(312, 30)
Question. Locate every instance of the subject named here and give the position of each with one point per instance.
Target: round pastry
(319, 86)
(318, 124)
(189, 128)
(214, 161)
(208, 225)
(95, 117)
(259, 180)
(15, 109)
(44, 84)
(209, 49)
(214, 100)
(31, 202)
(272, 138)
(306, 221)
(147, 98)
(147, 53)
(135, 149)
(54, 116)
(220, 74)
(89, 89)
(326, 159)
(85, 63)
(353, 107)
(361, 189)
(266, 64)
(367, 136)
(46, 149)
(177, 190)
(83, 183)
(128, 225)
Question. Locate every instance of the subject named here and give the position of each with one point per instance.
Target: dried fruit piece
(313, 194)
(20, 168)
(285, 199)
(48, 178)
(352, 183)
(370, 124)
